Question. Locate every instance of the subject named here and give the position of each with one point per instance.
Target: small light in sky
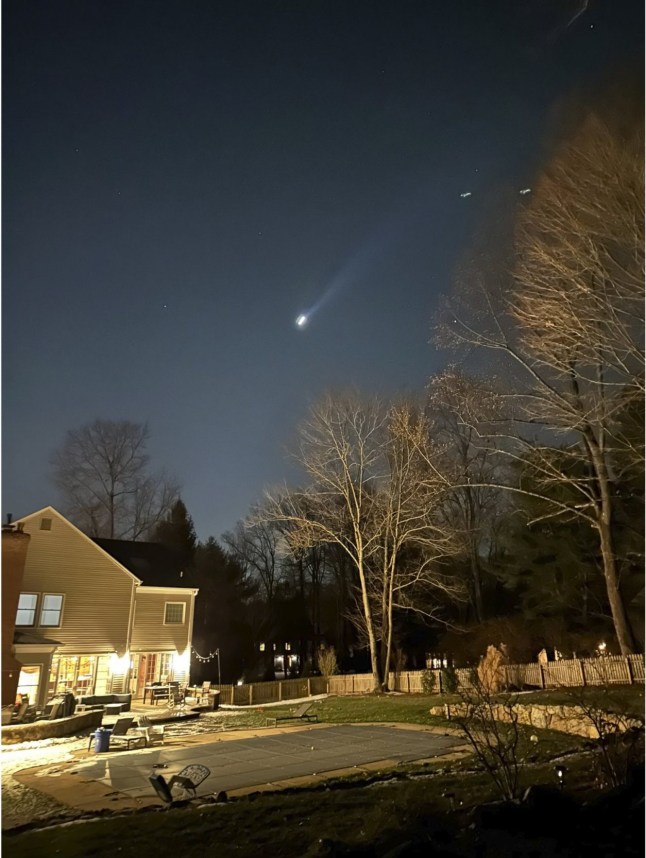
(465, 194)
(301, 320)
(525, 191)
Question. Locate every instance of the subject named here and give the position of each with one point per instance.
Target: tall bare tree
(472, 466)
(570, 320)
(367, 497)
(102, 472)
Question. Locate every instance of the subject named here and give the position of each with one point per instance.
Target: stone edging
(567, 719)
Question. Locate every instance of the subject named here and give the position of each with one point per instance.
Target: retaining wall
(12, 735)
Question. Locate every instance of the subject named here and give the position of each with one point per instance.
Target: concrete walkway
(240, 762)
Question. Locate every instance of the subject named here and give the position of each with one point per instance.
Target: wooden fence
(572, 672)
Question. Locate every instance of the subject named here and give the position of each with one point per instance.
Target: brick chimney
(14, 554)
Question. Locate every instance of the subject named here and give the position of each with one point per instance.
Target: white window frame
(43, 609)
(32, 624)
(183, 620)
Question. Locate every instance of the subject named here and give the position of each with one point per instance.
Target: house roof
(155, 564)
(21, 636)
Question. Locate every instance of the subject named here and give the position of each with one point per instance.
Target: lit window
(51, 610)
(174, 613)
(26, 615)
(262, 647)
(28, 682)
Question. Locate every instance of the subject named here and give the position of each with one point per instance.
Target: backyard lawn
(367, 814)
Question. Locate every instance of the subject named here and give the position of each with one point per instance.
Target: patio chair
(119, 731)
(148, 730)
(177, 699)
(189, 778)
(18, 715)
(301, 713)
(204, 696)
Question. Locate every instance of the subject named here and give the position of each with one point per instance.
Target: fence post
(582, 672)
(629, 667)
(280, 691)
(250, 694)
(309, 687)
(541, 674)
(439, 677)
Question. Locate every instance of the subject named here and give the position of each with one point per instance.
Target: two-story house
(107, 628)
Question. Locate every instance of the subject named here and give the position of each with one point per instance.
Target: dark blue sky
(181, 178)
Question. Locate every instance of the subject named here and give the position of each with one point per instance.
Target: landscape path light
(560, 774)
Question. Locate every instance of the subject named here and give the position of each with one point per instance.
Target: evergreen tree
(221, 614)
(178, 532)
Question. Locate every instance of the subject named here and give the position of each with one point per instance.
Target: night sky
(182, 178)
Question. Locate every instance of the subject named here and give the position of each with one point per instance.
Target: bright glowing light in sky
(301, 320)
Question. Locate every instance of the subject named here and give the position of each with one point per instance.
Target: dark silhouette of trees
(107, 488)
(569, 323)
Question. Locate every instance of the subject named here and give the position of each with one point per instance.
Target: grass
(370, 814)
(623, 699)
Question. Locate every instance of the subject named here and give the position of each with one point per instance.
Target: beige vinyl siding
(149, 632)
(98, 592)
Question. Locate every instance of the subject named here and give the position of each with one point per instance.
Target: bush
(429, 682)
(327, 662)
(450, 681)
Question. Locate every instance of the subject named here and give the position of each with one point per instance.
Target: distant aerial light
(301, 321)
(526, 191)
(466, 194)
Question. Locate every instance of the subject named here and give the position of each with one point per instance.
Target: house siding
(149, 634)
(98, 593)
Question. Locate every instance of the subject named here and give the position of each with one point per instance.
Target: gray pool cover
(261, 760)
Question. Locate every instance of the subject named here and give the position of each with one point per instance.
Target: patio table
(150, 689)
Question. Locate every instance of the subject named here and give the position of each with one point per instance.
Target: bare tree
(571, 322)
(472, 466)
(255, 545)
(341, 451)
(102, 472)
(368, 497)
(414, 538)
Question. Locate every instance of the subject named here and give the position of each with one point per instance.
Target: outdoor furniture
(206, 687)
(190, 777)
(156, 691)
(177, 700)
(20, 711)
(301, 713)
(117, 702)
(148, 730)
(162, 692)
(118, 733)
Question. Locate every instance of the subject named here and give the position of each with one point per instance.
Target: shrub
(327, 662)
(450, 680)
(495, 743)
(429, 682)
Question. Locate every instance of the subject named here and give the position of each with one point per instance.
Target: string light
(205, 658)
